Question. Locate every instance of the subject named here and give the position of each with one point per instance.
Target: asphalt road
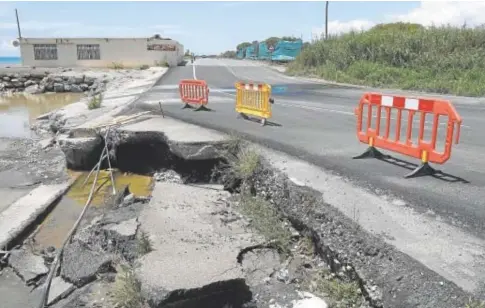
(316, 122)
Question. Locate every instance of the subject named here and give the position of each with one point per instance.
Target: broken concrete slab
(27, 265)
(22, 213)
(95, 294)
(185, 140)
(14, 293)
(80, 152)
(125, 230)
(59, 289)
(80, 265)
(309, 301)
(195, 255)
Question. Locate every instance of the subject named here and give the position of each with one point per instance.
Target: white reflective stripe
(411, 103)
(387, 101)
(246, 87)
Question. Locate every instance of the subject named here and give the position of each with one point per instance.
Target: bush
(144, 67)
(95, 102)
(117, 65)
(401, 55)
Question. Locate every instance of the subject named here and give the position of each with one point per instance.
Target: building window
(88, 52)
(45, 51)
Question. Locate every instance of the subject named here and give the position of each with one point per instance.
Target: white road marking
(193, 70)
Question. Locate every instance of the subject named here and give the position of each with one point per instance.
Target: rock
(89, 80)
(34, 89)
(309, 301)
(128, 200)
(27, 265)
(58, 87)
(29, 83)
(168, 176)
(59, 289)
(49, 87)
(75, 80)
(76, 89)
(84, 87)
(6, 78)
(283, 276)
(8, 84)
(23, 79)
(58, 79)
(81, 265)
(125, 230)
(17, 83)
(67, 88)
(45, 143)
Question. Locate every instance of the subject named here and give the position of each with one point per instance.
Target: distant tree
(229, 54)
(290, 38)
(187, 52)
(272, 41)
(243, 45)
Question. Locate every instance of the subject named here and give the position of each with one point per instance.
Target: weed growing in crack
(266, 219)
(339, 293)
(144, 244)
(242, 160)
(95, 102)
(475, 304)
(306, 246)
(126, 290)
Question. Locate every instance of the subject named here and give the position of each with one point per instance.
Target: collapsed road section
(382, 275)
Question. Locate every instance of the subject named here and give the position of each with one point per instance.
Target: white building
(99, 52)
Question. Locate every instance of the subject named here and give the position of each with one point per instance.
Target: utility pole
(326, 19)
(18, 23)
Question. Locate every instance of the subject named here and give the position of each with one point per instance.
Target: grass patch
(267, 221)
(475, 304)
(95, 102)
(126, 289)
(162, 63)
(242, 160)
(144, 244)
(144, 67)
(338, 293)
(117, 66)
(306, 246)
(446, 60)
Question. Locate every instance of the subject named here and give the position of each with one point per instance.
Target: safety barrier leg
(187, 106)
(371, 152)
(202, 108)
(423, 169)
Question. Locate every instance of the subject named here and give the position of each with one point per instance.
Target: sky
(213, 27)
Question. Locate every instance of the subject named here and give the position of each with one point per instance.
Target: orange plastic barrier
(194, 92)
(380, 107)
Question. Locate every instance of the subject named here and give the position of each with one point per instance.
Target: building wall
(131, 52)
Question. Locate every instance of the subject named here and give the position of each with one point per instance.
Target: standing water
(18, 111)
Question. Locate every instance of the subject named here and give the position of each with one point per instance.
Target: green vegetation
(126, 289)
(446, 60)
(475, 304)
(162, 63)
(144, 67)
(266, 219)
(117, 65)
(95, 102)
(144, 244)
(338, 293)
(229, 54)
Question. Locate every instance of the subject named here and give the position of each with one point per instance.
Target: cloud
(338, 27)
(428, 13)
(442, 13)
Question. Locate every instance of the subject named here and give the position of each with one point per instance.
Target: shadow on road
(256, 120)
(440, 175)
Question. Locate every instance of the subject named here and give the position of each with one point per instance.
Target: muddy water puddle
(18, 111)
(59, 222)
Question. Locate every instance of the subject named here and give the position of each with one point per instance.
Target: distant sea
(9, 61)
